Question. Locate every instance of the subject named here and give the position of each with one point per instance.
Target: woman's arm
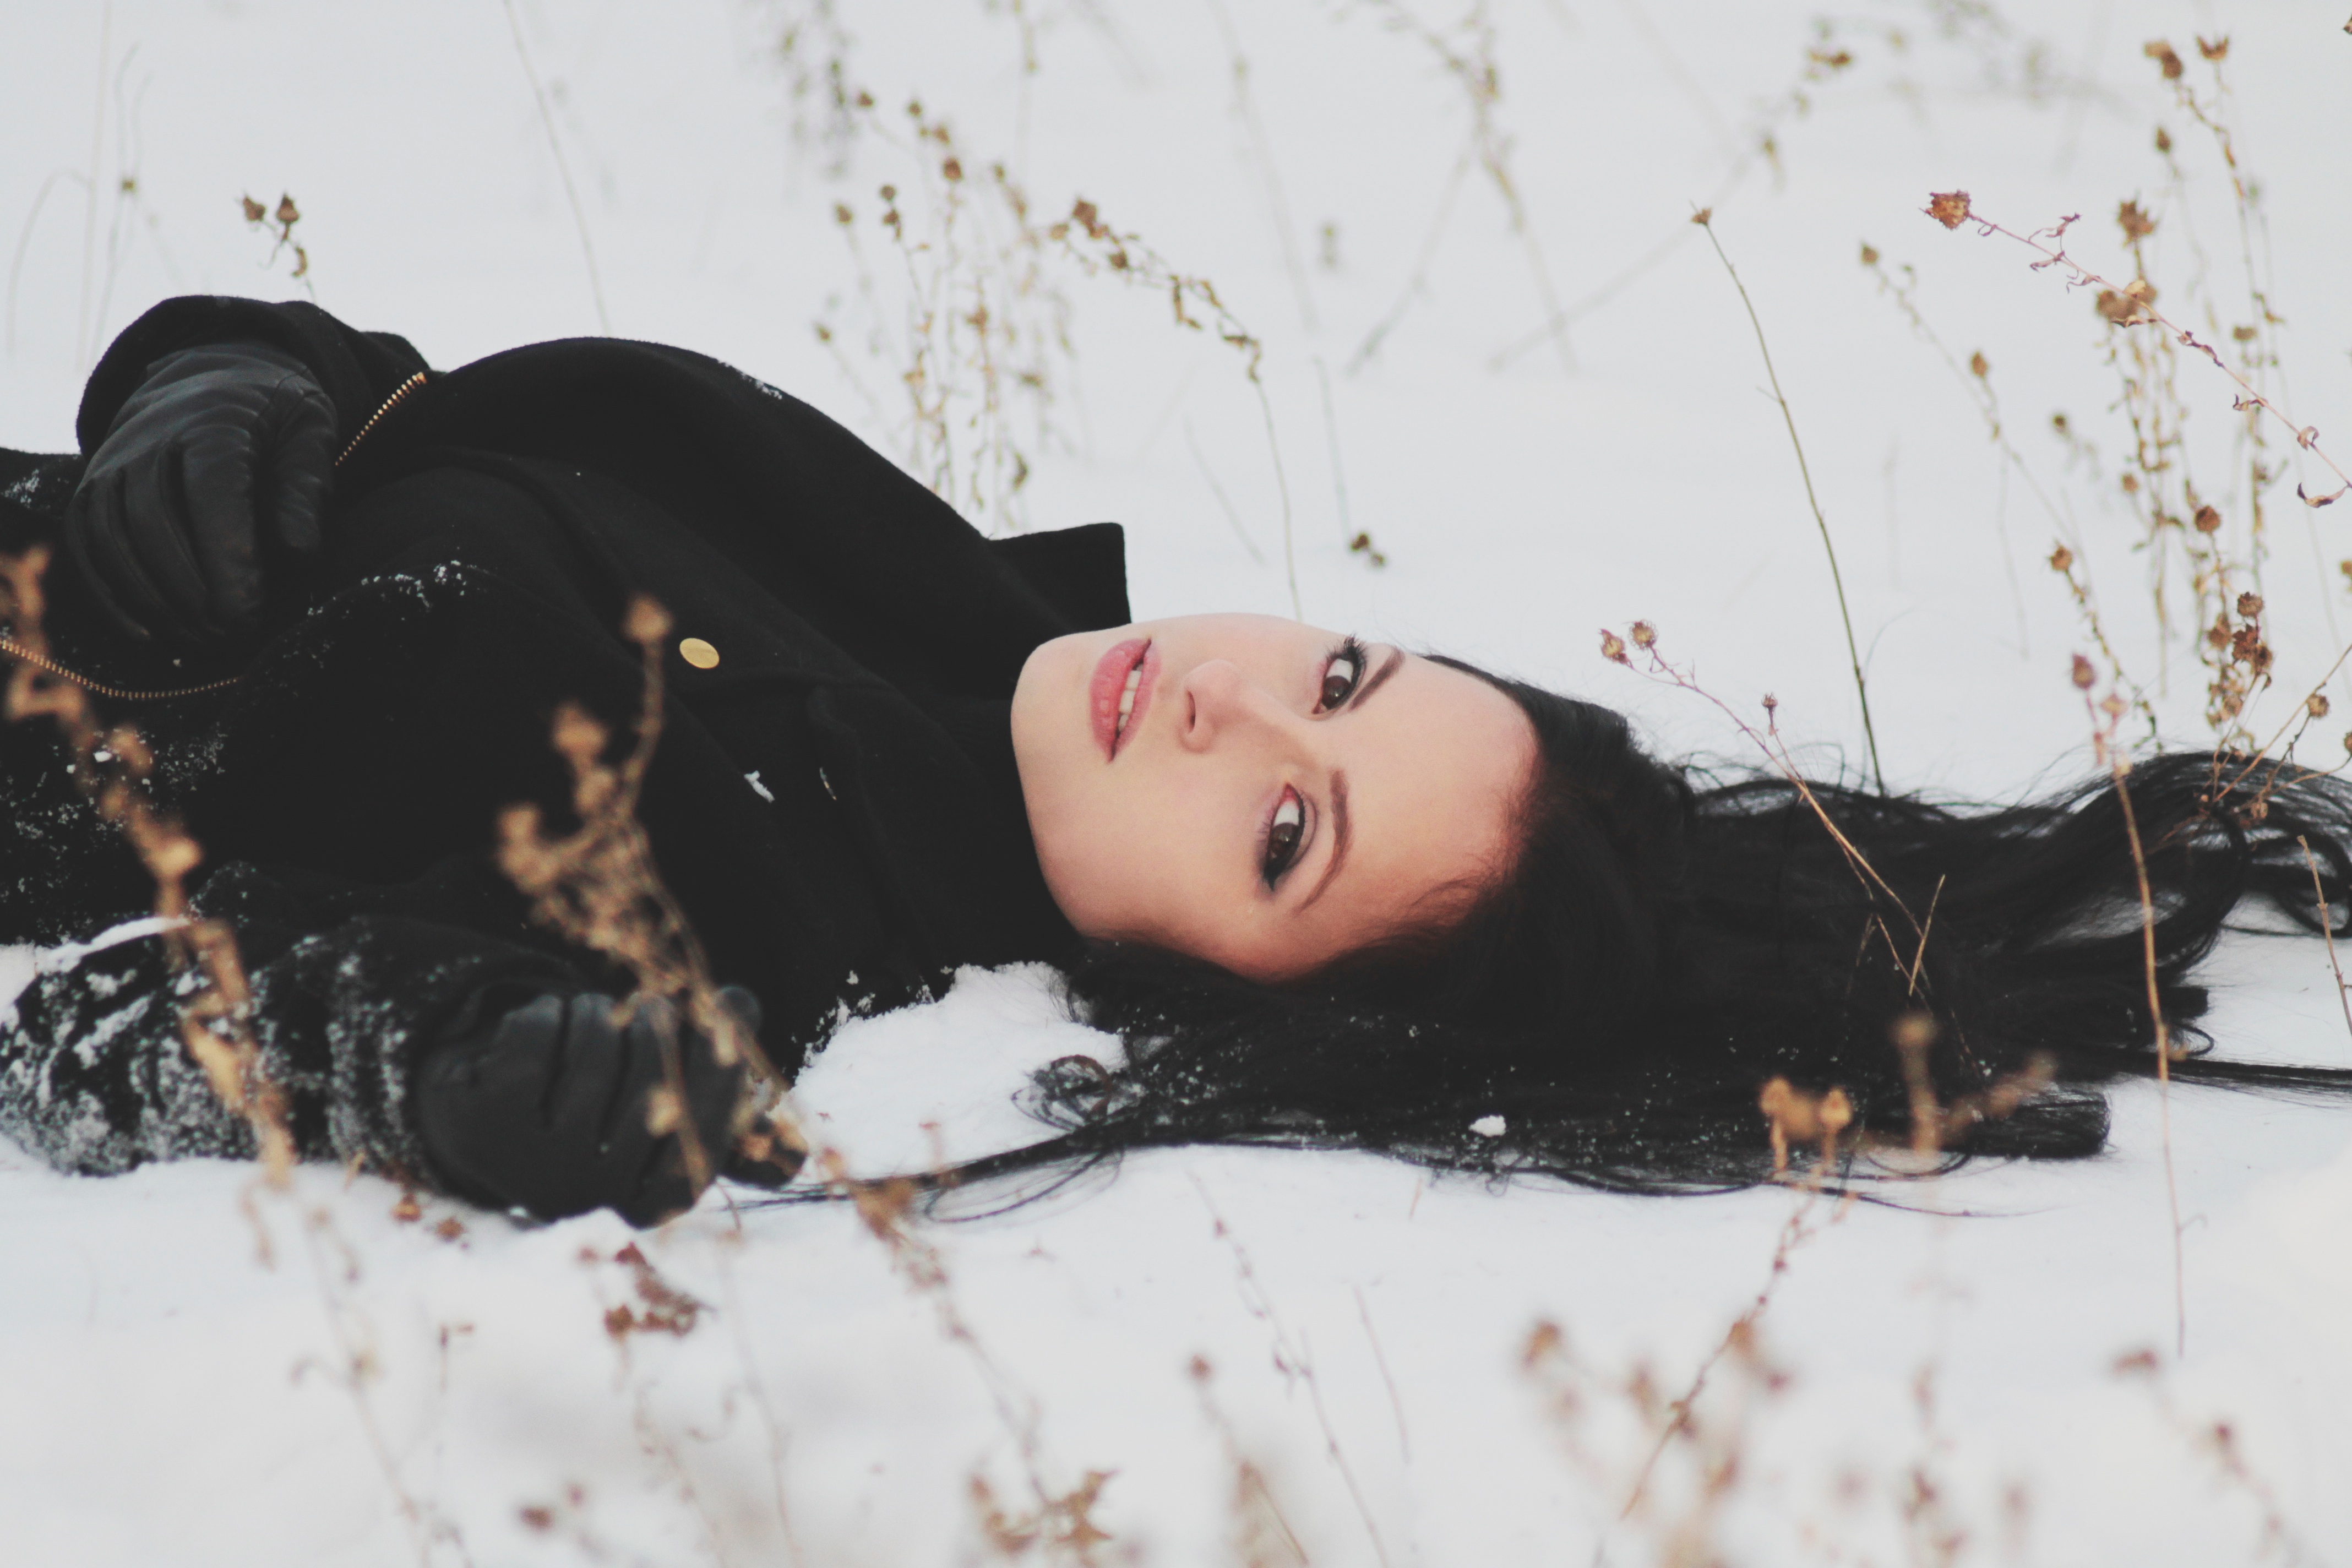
(357, 371)
(210, 433)
(415, 1045)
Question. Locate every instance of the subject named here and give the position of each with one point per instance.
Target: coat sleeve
(358, 370)
(95, 1079)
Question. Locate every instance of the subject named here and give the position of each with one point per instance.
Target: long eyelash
(1272, 878)
(1352, 649)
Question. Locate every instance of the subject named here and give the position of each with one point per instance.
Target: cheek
(1125, 864)
(1094, 863)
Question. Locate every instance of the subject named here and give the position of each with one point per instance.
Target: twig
(1704, 217)
(1225, 502)
(1645, 637)
(24, 240)
(2327, 930)
(1261, 1305)
(2119, 766)
(1245, 105)
(1481, 85)
(555, 146)
(1951, 208)
(83, 346)
(1131, 260)
(1396, 1402)
(1418, 278)
(1794, 1233)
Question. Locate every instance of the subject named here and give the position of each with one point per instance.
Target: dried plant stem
(563, 167)
(1645, 637)
(2054, 254)
(1704, 217)
(83, 346)
(1380, 1360)
(2120, 766)
(1225, 502)
(1978, 383)
(2302, 716)
(2220, 1439)
(599, 888)
(884, 1208)
(1294, 1359)
(1262, 146)
(1481, 82)
(1821, 63)
(2327, 930)
(1794, 1233)
(756, 1385)
(1255, 1505)
(111, 767)
(24, 242)
(1136, 262)
(356, 1366)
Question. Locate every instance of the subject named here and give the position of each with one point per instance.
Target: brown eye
(1282, 836)
(1339, 677)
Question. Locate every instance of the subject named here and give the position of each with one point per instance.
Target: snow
(169, 1394)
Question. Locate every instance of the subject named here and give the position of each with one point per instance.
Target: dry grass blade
(112, 766)
(2118, 764)
(1704, 219)
(2135, 303)
(563, 167)
(598, 888)
(1645, 637)
(1096, 246)
(2327, 930)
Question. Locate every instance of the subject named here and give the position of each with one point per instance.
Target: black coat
(834, 802)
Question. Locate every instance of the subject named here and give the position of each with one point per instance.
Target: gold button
(698, 653)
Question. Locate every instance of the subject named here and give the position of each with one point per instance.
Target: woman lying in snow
(1329, 894)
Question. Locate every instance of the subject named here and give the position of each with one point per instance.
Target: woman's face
(1261, 793)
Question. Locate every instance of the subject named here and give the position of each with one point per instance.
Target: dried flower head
(2208, 520)
(1613, 647)
(2135, 222)
(1949, 208)
(2061, 559)
(2167, 59)
(2086, 675)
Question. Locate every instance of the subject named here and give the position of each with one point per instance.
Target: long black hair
(1667, 943)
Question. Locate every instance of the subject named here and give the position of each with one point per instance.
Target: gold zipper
(398, 392)
(120, 694)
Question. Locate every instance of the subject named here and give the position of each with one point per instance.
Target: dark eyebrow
(1339, 785)
(1339, 834)
(1363, 692)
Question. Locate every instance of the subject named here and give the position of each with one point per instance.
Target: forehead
(1435, 764)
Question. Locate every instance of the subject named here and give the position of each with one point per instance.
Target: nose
(1220, 704)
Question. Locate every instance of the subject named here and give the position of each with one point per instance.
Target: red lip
(1110, 681)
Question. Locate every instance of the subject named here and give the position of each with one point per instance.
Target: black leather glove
(540, 1103)
(214, 473)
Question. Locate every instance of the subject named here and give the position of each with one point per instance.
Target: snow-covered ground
(1921, 1388)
